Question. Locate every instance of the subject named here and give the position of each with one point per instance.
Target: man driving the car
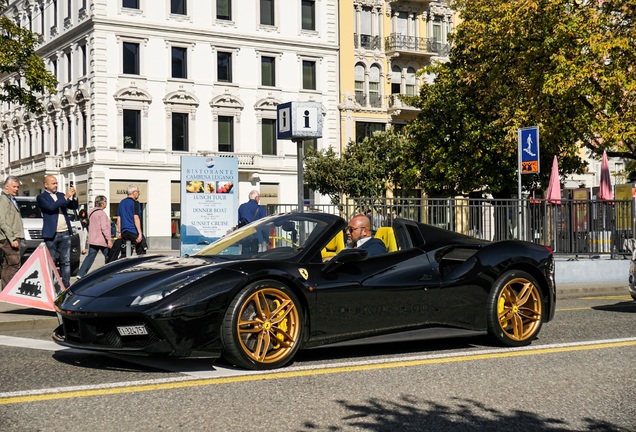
(359, 235)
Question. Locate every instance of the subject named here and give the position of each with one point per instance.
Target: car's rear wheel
(262, 327)
(515, 309)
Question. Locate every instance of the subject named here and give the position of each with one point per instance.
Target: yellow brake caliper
(282, 325)
(500, 309)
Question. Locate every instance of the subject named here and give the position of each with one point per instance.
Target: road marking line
(292, 372)
(30, 343)
(192, 367)
(608, 307)
(615, 297)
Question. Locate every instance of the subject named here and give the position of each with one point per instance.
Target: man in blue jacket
(359, 236)
(248, 212)
(57, 229)
(251, 210)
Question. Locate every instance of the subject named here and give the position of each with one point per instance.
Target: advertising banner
(209, 200)
(624, 192)
(580, 213)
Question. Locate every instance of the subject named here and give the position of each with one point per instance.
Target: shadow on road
(412, 413)
(622, 307)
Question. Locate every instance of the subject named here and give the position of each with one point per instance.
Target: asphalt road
(578, 376)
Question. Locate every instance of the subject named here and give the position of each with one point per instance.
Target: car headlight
(155, 296)
(151, 297)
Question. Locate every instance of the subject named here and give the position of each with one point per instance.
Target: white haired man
(11, 230)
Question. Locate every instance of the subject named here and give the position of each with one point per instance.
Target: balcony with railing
(366, 41)
(399, 108)
(372, 100)
(403, 44)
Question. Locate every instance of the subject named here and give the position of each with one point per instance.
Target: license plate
(132, 330)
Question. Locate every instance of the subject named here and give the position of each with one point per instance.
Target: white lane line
(218, 372)
(31, 343)
(195, 368)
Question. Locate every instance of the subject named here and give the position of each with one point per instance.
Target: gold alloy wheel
(519, 309)
(268, 326)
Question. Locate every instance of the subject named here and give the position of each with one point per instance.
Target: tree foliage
(18, 60)
(564, 66)
(365, 168)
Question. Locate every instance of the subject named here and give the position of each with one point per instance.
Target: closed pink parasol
(605, 188)
(554, 188)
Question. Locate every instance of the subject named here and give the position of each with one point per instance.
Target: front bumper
(175, 336)
(102, 335)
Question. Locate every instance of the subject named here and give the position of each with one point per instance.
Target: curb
(15, 318)
(29, 324)
(574, 291)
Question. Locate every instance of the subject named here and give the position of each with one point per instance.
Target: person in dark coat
(57, 229)
(248, 212)
(359, 235)
(251, 210)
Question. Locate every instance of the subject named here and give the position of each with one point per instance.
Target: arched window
(411, 86)
(396, 80)
(359, 83)
(374, 87)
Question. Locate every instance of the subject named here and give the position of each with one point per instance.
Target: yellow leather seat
(388, 237)
(334, 246)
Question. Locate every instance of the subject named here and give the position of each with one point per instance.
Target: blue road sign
(529, 150)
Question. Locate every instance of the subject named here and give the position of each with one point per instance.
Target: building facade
(143, 83)
(384, 43)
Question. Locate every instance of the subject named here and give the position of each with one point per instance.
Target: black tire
(515, 309)
(263, 326)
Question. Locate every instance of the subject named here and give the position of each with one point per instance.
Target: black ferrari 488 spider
(286, 282)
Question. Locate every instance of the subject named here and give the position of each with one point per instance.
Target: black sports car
(286, 282)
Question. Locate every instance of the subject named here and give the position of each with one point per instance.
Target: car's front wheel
(262, 328)
(515, 309)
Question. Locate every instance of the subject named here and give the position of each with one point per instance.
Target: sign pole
(519, 184)
(299, 152)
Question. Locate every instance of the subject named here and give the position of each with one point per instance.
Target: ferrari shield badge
(304, 273)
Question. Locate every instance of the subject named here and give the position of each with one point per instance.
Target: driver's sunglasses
(351, 229)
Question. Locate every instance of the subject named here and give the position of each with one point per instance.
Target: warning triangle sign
(36, 284)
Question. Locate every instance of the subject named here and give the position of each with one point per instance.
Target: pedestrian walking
(99, 239)
(57, 229)
(251, 210)
(83, 218)
(11, 231)
(248, 212)
(129, 226)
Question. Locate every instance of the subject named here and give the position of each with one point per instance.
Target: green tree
(28, 75)
(365, 169)
(565, 66)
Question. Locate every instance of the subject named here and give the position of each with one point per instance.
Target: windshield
(30, 209)
(276, 237)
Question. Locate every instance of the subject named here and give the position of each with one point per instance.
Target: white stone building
(144, 82)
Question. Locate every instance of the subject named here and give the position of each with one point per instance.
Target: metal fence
(577, 228)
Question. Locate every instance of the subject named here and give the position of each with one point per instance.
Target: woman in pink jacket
(99, 239)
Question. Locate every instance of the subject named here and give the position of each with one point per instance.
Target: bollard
(128, 248)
